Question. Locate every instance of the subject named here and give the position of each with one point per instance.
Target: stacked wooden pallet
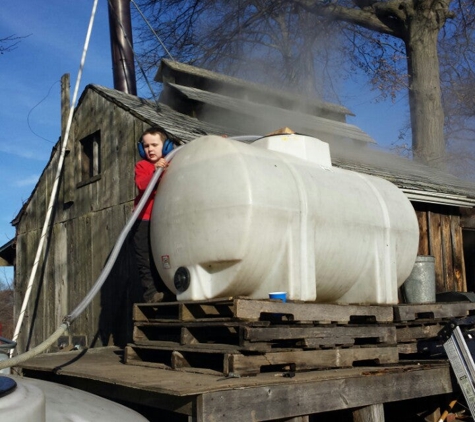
(241, 336)
(418, 326)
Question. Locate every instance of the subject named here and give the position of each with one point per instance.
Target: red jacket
(143, 174)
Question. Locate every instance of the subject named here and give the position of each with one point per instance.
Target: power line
(151, 29)
(29, 113)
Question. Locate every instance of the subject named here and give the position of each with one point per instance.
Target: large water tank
(27, 399)
(236, 219)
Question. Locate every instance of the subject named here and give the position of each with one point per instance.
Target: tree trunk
(425, 100)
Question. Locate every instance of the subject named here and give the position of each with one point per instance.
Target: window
(91, 157)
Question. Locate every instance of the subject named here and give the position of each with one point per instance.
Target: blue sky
(30, 90)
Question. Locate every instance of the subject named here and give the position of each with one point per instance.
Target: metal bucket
(420, 285)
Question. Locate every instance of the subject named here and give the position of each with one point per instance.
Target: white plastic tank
(27, 399)
(236, 219)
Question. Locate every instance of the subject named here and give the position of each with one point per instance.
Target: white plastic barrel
(248, 219)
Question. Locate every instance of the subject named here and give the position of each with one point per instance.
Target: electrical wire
(151, 29)
(29, 113)
(54, 189)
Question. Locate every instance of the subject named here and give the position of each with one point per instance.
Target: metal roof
(418, 181)
(7, 254)
(172, 71)
(300, 122)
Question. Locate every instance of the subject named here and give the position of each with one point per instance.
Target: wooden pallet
(215, 309)
(415, 338)
(245, 336)
(260, 310)
(234, 363)
(418, 325)
(262, 336)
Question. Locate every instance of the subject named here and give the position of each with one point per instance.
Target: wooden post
(373, 413)
(68, 182)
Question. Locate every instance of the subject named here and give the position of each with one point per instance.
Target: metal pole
(120, 28)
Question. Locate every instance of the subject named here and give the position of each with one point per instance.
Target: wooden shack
(97, 191)
(96, 196)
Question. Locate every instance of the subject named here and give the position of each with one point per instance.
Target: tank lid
(300, 146)
(7, 385)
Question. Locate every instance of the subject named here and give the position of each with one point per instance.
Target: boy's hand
(161, 163)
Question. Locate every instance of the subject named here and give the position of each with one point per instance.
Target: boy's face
(153, 145)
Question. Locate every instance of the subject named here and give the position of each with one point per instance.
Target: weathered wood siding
(440, 235)
(87, 220)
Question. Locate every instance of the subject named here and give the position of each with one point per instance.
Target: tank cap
(182, 279)
(7, 385)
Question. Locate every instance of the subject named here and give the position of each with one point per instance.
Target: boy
(152, 141)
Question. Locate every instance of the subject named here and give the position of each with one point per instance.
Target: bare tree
(394, 41)
(9, 43)
(258, 40)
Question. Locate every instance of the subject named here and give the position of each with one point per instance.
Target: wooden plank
(106, 365)
(216, 309)
(307, 360)
(407, 348)
(447, 253)
(201, 311)
(215, 333)
(373, 334)
(411, 312)
(259, 336)
(178, 357)
(373, 413)
(79, 274)
(272, 402)
(125, 150)
(245, 309)
(248, 309)
(61, 303)
(68, 183)
(412, 333)
(458, 255)
(229, 360)
(132, 358)
(423, 233)
(435, 247)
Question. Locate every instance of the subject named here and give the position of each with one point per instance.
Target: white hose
(8, 363)
(118, 245)
(99, 282)
(54, 190)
